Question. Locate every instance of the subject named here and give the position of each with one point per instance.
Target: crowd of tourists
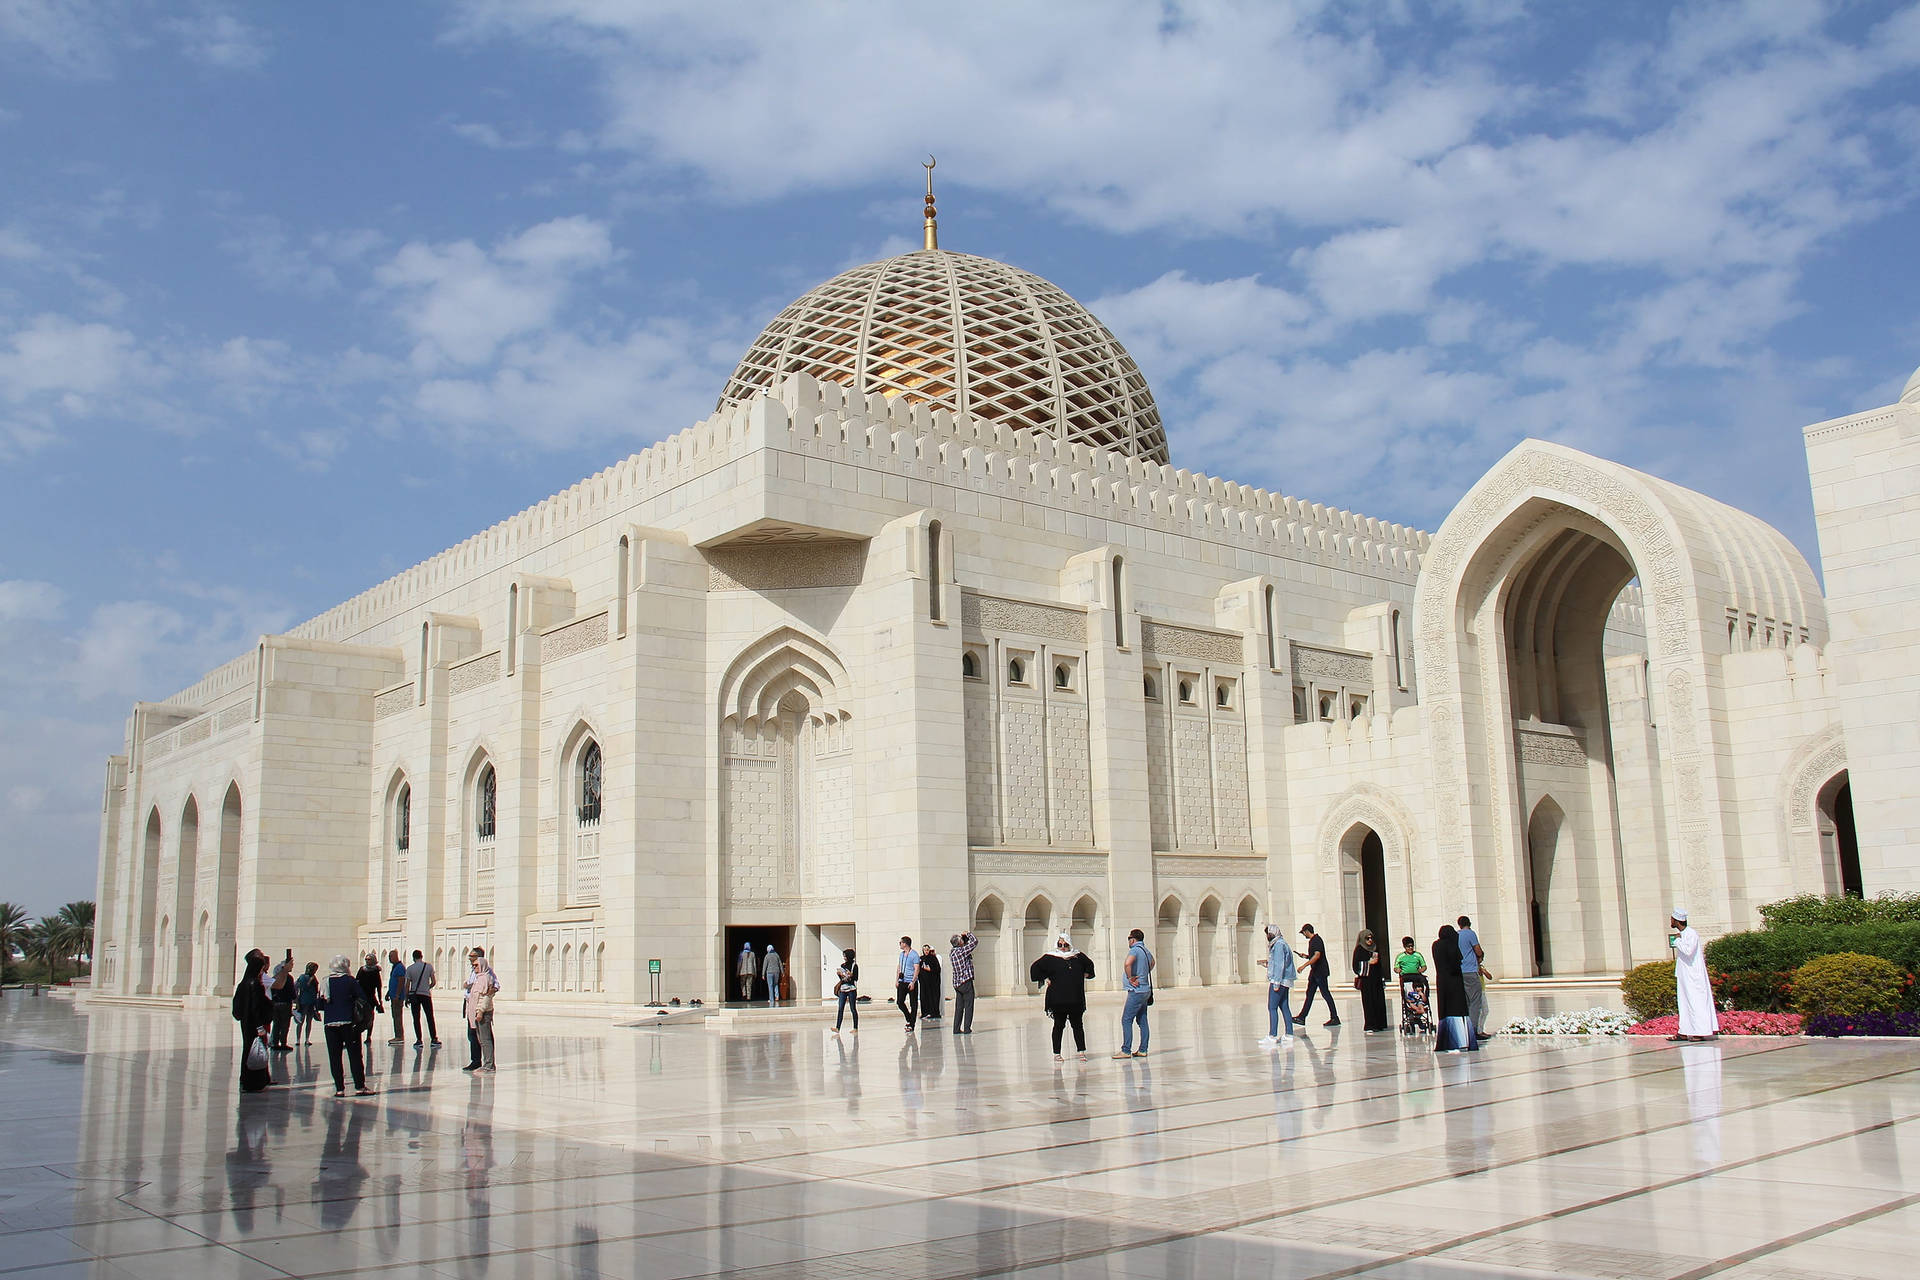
(277, 1010)
(1451, 1003)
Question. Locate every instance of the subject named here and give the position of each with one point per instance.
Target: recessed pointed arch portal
(786, 779)
(1570, 606)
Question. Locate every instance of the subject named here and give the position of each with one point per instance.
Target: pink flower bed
(1735, 1023)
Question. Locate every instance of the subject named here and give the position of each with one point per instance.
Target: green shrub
(1754, 990)
(1790, 946)
(1649, 991)
(1848, 984)
(1812, 908)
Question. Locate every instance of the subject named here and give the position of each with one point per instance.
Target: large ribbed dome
(967, 334)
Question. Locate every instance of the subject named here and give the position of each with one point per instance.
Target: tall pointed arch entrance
(1570, 616)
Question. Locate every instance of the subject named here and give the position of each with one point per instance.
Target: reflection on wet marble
(125, 1150)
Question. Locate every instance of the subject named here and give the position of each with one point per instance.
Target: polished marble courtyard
(677, 1151)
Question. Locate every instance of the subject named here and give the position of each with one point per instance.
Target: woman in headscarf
(1454, 1023)
(1370, 979)
(253, 1010)
(1065, 971)
(1282, 973)
(343, 1028)
(369, 979)
(281, 992)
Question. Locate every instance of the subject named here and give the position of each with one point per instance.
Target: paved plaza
(781, 1151)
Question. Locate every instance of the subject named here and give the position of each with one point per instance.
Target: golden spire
(933, 218)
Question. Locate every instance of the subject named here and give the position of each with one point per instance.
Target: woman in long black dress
(1065, 971)
(1370, 976)
(1455, 1025)
(253, 1010)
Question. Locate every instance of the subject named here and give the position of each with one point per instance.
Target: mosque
(921, 630)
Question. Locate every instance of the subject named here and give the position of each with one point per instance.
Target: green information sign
(653, 966)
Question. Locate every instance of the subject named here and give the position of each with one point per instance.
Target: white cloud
(216, 38)
(68, 36)
(25, 600)
(54, 355)
(460, 302)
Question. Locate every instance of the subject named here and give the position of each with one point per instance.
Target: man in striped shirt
(960, 961)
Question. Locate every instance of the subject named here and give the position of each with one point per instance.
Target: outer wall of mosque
(855, 658)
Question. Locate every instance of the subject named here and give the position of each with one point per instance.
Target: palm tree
(13, 932)
(44, 944)
(76, 926)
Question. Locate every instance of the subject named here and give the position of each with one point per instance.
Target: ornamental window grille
(403, 818)
(486, 797)
(588, 808)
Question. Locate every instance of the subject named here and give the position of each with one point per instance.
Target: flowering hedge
(1587, 1022)
(1864, 1024)
(1733, 1023)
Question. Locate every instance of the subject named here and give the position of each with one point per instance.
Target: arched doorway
(146, 921)
(1207, 945)
(1166, 943)
(1839, 843)
(1246, 946)
(1363, 884)
(1543, 852)
(1036, 932)
(988, 918)
(1087, 933)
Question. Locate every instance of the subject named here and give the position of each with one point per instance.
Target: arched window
(933, 570)
(622, 571)
(420, 694)
(969, 666)
(1393, 629)
(1186, 691)
(1222, 694)
(589, 785)
(1153, 688)
(1119, 604)
(1016, 672)
(1061, 679)
(403, 818)
(1273, 651)
(397, 891)
(486, 796)
(513, 623)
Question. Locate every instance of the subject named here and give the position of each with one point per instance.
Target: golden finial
(933, 218)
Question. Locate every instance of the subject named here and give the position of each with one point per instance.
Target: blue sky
(294, 296)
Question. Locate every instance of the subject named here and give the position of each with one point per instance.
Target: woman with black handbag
(1370, 980)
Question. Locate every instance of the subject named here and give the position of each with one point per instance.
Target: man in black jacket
(1316, 978)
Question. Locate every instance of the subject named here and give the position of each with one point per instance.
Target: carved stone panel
(1331, 666)
(1190, 642)
(575, 637)
(1551, 747)
(786, 566)
(1046, 621)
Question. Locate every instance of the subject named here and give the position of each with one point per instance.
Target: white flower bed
(1587, 1022)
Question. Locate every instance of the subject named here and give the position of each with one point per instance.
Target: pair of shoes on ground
(1062, 1058)
(359, 1093)
(1268, 1042)
(1138, 1053)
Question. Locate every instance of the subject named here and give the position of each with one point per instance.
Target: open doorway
(755, 938)
(1839, 843)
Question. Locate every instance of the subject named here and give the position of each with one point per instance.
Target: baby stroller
(1416, 1014)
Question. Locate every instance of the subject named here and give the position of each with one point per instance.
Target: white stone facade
(859, 668)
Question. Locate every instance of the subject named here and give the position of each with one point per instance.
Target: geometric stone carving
(1166, 865)
(1190, 642)
(1546, 746)
(1331, 666)
(1040, 864)
(393, 701)
(786, 566)
(575, 637)
(475, 673)
(1046, 621)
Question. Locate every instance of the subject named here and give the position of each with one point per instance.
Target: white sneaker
(1286, 1039)
(1267, 1042)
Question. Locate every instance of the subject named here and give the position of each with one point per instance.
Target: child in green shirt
(1409, 962)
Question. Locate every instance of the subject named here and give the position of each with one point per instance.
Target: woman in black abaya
(1455, 1033)
(253, 1010)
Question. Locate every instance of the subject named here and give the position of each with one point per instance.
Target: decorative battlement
(833, 421)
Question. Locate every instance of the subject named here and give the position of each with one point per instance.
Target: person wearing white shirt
(1693, 989)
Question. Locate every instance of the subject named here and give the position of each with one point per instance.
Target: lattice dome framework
(967, 334)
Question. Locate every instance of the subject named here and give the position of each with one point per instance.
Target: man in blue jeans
(1316, 959)
(1280, 978)
(1137, 978)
